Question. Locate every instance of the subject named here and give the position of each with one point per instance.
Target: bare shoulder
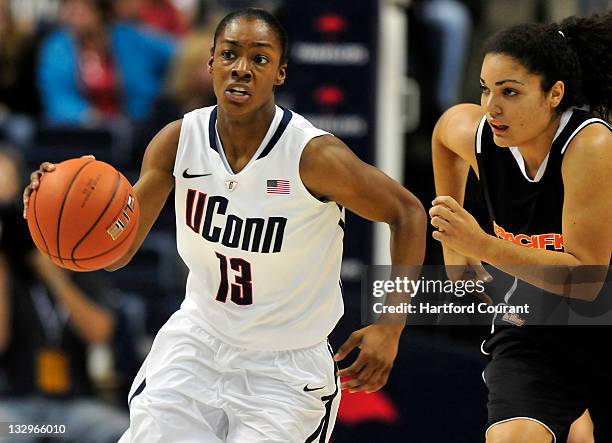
(591, 149)
(325, 161)
(320, 150)
(326, 155)
(456, 128)
(161, 151)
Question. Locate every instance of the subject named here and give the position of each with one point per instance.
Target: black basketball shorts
(551, 381)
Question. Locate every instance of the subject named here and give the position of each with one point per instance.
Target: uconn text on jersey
(234, 232)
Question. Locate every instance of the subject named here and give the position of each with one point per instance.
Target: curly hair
(575, 51)
(256, 14)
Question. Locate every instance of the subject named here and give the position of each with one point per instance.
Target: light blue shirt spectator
(140, 56)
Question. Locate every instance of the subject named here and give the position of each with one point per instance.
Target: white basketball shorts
(193, 387)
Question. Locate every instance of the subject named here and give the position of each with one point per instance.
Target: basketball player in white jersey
(260, 198)
(545, 171)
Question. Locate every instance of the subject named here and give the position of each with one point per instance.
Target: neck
(241, 135)
(535, 150)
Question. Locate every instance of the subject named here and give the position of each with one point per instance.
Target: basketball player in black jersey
(545, 170)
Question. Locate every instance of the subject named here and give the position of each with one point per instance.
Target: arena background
(376, 73)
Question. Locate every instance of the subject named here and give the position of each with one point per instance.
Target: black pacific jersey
(528, 211)
(521, 209)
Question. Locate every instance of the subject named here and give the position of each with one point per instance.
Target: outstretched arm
(91, 321)
(331, 171)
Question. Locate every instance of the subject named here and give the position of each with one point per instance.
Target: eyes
(260, 60)
(508, 92)
(227, 55)
(257, 59)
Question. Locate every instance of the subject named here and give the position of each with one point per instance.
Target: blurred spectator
(126, 10)
(163, 16)
(189, 87)
(439, 43)
(191, 10)
(189, 83)
(18, 98)
(30, 14)
(48, 318)
(94, 68)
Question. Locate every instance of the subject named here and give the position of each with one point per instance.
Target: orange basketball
(84, 215)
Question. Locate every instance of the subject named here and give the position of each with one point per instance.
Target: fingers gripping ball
(84, 215)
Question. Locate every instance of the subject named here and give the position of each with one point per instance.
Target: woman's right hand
(35, 176)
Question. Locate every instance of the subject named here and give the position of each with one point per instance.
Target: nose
(241, 69)
(491, 105)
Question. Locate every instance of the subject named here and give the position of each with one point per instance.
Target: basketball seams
(110, 201)
(83, 230)
(97, 255)
(59, 217)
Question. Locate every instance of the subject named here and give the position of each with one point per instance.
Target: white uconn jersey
(263, 254)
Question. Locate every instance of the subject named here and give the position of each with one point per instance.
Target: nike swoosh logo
(307, 389)
(188, 175)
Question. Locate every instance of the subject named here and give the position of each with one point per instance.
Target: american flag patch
(278, 187)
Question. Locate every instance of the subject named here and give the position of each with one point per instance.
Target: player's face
(516, 107)
(246, 66)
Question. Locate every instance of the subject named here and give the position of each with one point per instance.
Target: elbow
(583, 282)
(102, 332)
(116, 265)
(414, 213)
(410, 223)
(127, 257)
(121, 262)
(584, 294)
(589, 293)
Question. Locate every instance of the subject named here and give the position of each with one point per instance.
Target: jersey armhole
(583, 125)
(478, 136)
(301, 185)
(183, 136)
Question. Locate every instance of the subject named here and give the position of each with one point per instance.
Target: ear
(281, 75)
(210, 65)
(556, 93)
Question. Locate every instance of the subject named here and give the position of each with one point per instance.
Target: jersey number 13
(242, 289)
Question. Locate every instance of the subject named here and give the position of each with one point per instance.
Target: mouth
(237, 94)
(498, 128)
(238, 91)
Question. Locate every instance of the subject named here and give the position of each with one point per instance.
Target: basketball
(84, 215)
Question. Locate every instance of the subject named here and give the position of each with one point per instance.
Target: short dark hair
(256, 14)
(575, 51)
